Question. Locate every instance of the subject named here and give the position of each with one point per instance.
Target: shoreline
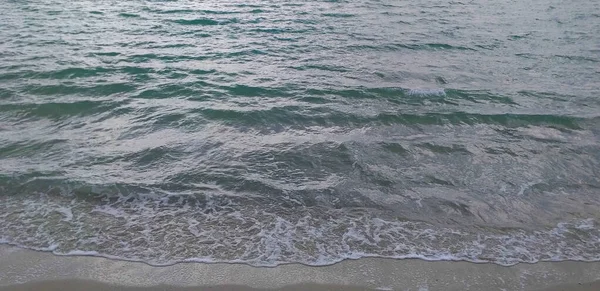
(23, 269)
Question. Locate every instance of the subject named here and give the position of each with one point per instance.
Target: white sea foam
(106, 209)
(66, 212)
(152, 231)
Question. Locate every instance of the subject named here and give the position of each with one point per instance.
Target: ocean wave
(305, 132)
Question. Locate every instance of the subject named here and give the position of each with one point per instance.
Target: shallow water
(269, 132)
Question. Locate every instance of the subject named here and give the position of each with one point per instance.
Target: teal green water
(270, 132)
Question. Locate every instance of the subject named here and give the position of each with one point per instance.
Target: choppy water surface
(271, 132)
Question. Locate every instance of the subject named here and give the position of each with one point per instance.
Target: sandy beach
(30, 270)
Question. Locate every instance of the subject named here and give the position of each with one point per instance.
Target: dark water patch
(507, 120)
(202, 35)
(519, 36)
(68, 73)
(462, 118)
(202, 72)
(486, 46)
(129, 15)
(174, 75)
(152, 157)
(479, 97)
(13, 76)
(279, 30)
(577, 58)
(441, 80)
(107, 54)
(527, 55)
(174, 45)
(174, 11)
(96, 12)
(253, 52)
(338, 15)
(399, 46)
(244, 90)
(391, 94)
(6, 93)
(501, 151)
(26, 149)
(248, 5)
(145, 58)
(57, 111)
(395, 148)
(287, 39)
(141, 58)
(134, 70)
(366, 47)
(286, 115)
(135, 44)
(347, 93)
(546, 95)
(96, 90)
(429, 179)
(198, 21)
(118, 112)
(323, 68)
(443, 149)
(290, 115)
(168, 91)
(434, 46)
(169, 119)
(218, 12)
(315, 100)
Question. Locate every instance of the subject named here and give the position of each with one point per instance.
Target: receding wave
(163, 229)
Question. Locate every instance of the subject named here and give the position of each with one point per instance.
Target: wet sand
(29, 270)
(97, 286)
